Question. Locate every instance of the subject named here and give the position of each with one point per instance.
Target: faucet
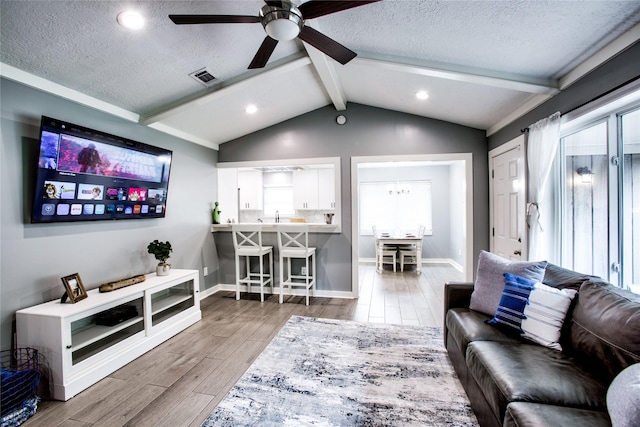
(259, 219)
(277, 216)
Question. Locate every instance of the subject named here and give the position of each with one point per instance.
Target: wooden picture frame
(75, 290)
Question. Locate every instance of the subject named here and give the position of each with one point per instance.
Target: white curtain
(542, 145)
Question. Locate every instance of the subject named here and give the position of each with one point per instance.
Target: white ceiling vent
(204, 77)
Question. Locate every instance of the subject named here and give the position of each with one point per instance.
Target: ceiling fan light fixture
(281, 24)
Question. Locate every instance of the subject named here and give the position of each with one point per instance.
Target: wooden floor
(180, 382)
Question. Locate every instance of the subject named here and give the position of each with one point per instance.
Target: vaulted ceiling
(482, 63)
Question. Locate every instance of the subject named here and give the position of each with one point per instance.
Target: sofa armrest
(456, 295)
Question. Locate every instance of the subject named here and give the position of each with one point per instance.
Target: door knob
(517, 252)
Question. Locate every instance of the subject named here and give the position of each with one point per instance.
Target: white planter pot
(163, 269)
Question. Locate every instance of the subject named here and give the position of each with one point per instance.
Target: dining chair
(293, 243)
(413, 253)
(247, 242)
(385, 254)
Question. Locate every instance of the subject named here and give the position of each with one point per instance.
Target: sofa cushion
(544, 314)
(525, 414)
(604, 328)
(466, 326)
(562, 278)
(513, 301)
(490, 279)
(509, 372)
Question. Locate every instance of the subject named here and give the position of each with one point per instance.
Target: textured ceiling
(482, 62)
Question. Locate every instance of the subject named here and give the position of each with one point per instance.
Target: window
(630, 145)
(600, 208)
(394, 205)
(278, 193)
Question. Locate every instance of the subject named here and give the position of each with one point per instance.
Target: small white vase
(163, 269)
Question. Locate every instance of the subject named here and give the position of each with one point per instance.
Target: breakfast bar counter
(271, 227)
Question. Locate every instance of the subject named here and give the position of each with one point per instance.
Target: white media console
(84, 342)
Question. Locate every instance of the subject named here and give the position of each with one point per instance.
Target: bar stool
(247, 241)
(293, 242)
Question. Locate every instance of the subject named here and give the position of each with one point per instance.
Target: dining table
(400, 239)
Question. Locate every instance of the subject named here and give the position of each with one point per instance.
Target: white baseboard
(276, 291)
(449, 261)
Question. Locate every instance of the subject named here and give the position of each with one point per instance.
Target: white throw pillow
(544, 314)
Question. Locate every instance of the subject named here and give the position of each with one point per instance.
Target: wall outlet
(205, 271)
(303, 271)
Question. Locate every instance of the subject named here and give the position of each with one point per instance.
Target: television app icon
(48, 209)
(119, 208)
(136, 209)
(99, 209)
(159, 209)
(63, 209)
(111, 209)
(128, 210)
(145, 209)
(88, 209)
(76, 209)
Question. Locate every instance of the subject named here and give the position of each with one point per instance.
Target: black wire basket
(20, 377)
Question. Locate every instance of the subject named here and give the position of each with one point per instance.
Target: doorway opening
(444, 185)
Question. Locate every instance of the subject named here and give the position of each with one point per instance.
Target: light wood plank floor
(180, 382)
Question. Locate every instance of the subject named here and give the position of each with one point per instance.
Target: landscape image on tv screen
(87, 175)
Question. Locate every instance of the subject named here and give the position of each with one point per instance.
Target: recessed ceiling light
(131, 19)
(251, 109)
(422, 95)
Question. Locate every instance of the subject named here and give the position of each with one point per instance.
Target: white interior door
(507, 200)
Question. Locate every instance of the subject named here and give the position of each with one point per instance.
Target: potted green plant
(162, 251)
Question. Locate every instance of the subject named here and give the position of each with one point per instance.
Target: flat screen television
(88, 175)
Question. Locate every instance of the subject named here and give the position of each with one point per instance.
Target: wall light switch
(205, 271)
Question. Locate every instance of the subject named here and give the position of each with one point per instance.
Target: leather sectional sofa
(512, 381)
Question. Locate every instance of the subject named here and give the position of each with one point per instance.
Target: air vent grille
(204, 77)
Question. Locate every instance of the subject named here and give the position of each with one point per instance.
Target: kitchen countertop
(271, 226)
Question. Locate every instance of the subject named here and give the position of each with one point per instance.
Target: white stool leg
(237, 277)
(315, 278)
(261, 278)
(281, 277)
(306, 279)
(271, 270)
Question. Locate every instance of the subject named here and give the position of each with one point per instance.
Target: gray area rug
(321, 372)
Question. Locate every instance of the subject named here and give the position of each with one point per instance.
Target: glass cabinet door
(171, 301)
(92, 334)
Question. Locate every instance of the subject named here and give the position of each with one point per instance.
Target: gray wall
(369, 131)
(617, 72)
(33, 257)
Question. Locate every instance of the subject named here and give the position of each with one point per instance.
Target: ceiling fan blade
(264, 53)
(326, 45)
(316, 8)
(274, 3)
(213, 19)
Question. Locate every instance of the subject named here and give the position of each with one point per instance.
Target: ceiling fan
(282, 21)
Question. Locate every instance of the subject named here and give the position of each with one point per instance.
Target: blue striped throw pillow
(545, 314)
(514, 298)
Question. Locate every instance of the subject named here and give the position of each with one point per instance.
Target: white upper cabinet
(250, 185)
(305, 189)
(326, 189)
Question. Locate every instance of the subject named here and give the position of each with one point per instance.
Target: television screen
(88, 175)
